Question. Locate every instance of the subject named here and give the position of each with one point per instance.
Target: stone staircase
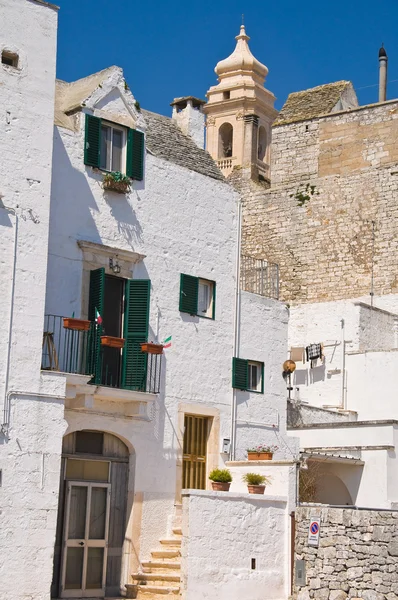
(159, 577)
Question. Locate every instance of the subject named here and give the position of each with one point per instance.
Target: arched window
(225, 140)
(262, 143)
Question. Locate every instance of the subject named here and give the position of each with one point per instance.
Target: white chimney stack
(383, 60)
(188, 114)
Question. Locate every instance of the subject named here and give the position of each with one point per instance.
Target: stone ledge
(335, 425)
(233, 496)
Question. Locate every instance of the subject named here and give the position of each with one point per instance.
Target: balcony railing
(259, 277)
(81, 352)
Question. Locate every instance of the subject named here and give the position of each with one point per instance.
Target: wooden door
(196, 431)
(85, 540)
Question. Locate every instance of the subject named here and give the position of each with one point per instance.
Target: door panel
(194, 452)
(85, 549)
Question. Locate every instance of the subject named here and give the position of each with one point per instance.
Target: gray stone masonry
(357, 557)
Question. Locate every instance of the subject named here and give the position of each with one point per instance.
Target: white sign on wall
(313, 531)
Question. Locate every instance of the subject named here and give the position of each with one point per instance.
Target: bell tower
(240, 113)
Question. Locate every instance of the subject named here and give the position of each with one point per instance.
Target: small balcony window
(113, 142)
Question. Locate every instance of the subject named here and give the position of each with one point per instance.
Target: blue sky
(169, 49)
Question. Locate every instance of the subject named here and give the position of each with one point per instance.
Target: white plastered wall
(183, 222)
(30, 443)
(222, 533)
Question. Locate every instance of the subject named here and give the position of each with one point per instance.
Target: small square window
(206, 298)
(226, 95)
(113, 141)
(10, 59)
(89, 442)
(254, 376)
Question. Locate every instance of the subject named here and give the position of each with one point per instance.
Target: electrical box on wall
(226, 445)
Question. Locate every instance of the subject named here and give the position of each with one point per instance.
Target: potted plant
(76, 324)
(116, 182)
(255, 482)
(220, 480)
(261, 452)
(152, 348)
(111, 341)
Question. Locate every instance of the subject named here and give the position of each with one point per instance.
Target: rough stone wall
(357, 555)
(300, 414)
(322, 237)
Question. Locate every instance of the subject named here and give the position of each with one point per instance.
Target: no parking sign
(313, 531)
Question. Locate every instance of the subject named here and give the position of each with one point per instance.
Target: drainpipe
(10, 323)
(342, 403)
(236, 327)
(5, 426)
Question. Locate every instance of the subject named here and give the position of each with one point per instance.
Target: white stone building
(98, 437)
(319, 200)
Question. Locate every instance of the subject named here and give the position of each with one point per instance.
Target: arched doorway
(225, 140)
(91, 516)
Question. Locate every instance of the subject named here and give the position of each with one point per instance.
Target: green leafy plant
(116, 181)
(221, 475)
(304, 193)
(256, 479)
(137, 105)
(262, 448)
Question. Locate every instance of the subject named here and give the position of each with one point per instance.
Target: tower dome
(241, 60)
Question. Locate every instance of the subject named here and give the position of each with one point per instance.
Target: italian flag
(98, 318)
(167, 342)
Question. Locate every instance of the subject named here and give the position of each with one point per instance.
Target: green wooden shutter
(92, 141)
(189, 287)
(96, 301)
(239, 373)
(135, 154)
(135, 331)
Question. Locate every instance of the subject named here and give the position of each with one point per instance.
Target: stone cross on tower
(240, 112)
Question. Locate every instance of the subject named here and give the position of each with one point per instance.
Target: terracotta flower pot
(256, 489)
(76, 324)
(112, 342)
(121, 187)
(151, 348)
(220, 486)
(260, 455)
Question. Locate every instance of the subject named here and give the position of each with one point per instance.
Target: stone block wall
(357, 557)
(322, 236)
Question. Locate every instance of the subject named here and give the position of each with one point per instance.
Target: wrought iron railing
(81, 352)
(259, 277)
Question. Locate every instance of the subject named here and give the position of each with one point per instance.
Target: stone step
(174, 542)
(166, 554)
(159, 579)
(150, 565)
(177, 530)
(151, 592)
(143, 590)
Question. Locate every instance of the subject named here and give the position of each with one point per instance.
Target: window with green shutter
(197, 296)
(136, 324)
(92, 142)
(135, 154)
(112, 147)
(248, 375)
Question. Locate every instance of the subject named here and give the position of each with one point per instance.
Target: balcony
(259, 276)
(81, 352)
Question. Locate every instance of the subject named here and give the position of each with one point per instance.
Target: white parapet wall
(235, 546)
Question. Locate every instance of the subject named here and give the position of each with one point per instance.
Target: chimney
(188, 114)
(383, 59)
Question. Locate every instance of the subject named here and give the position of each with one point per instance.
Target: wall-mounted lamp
(114, 266)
